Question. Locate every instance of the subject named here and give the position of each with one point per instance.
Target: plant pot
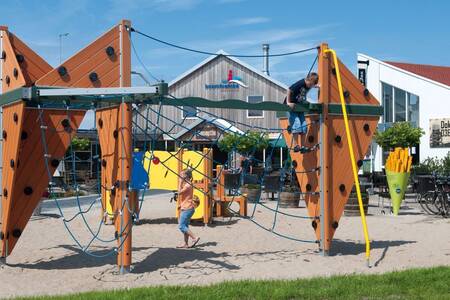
(253, 195)
(289, 199)
(232, 181)
(272, 183)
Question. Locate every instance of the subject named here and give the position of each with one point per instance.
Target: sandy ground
(47, 261)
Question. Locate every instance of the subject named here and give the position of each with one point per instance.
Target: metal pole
(60, 45)
(321, 184)
(281, 157)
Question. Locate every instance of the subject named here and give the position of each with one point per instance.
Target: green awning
(276, 143)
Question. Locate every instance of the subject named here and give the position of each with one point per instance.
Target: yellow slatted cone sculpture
(398, 166)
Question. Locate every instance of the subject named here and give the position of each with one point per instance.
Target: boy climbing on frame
(297, 94)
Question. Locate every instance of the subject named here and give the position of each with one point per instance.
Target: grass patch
(432, 283)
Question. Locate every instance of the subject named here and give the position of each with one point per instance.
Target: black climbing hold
(366, 127)
(5, 193)
(308, 187)
(346, 94)
(100, 123)
(359, 163)
(4, 134)
(15, 117)
(338, 139)
(93, 77)
(17, 233)
(110, 51)
(28, 190)
(311, 139)
(116, 184)
(54, 163)
(15, 72)
(116, 234)
(3, 55)
(314, 224)
(103, 163)
(115, 134)
(20, 58)
(62, 71)
(294, 164)
(65, 123)
(11, 163)
(333, 71)
(23, 135)
(366, 92)
(335, 225)
(2, 236)
(342, 187)
(7, 79)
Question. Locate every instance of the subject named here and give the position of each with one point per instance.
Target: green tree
(401, 134)
(244, 143)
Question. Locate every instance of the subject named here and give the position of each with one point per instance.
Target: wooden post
(126, 200)
(324, 82)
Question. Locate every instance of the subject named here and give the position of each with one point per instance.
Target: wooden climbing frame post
(126, 199)
(324, 95)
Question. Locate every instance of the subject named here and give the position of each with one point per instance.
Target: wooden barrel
(352, 206)
(289, 199)
(253, 195)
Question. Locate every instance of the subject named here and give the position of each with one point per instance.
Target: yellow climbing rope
(352, 155)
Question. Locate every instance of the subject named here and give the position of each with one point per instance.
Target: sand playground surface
(47, 261)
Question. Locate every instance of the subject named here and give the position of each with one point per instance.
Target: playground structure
(43, 107)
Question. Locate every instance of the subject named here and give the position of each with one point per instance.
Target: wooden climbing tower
(28, 125)
(330, 136)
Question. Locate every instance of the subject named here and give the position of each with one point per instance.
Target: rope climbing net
(148, 122)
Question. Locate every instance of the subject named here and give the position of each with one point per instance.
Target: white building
(411, 92)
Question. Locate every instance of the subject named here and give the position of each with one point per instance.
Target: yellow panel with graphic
(163, 173)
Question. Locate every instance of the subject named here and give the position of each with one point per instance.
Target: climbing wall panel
(341, 178)
(31, 64)
(12, 76)
(12, 128)
(45, 133)
(304, 164)
(97, 65)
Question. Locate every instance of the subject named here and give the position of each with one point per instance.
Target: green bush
(401, 134)
(244, 144)
(80, 144)
(433, 164)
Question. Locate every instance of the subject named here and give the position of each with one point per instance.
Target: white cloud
(246, 21)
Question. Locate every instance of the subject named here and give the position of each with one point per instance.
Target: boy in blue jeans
(297, 94)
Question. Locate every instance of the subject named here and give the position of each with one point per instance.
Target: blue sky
(410, 31)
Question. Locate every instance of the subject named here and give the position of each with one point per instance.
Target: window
(189, 112)
(255, 113)
(387, 102)
(413, 109)
(400, 105)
